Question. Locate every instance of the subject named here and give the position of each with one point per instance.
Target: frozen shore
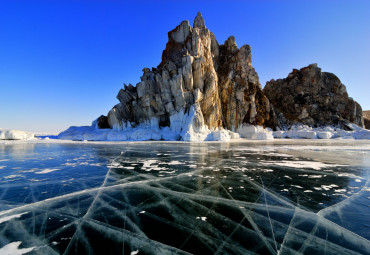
(147, 132)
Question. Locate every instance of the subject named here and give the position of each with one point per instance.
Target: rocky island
(203, 90)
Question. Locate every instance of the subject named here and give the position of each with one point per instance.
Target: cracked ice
(180, 198)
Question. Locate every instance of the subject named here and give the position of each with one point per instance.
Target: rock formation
(218, 81)
(366, 115)
(314, 98)
(202, 90)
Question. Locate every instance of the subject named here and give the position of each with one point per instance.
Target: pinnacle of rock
(199, 21)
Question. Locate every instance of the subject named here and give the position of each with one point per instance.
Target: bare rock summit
(314, 98)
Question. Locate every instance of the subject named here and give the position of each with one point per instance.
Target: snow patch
(300, 164)
(8, 218)
(47, 170)
(13, 249)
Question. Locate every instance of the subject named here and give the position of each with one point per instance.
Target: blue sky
(62, 63)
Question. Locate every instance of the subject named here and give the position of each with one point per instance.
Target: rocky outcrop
(314, 98)
(366, 116)
(102, 122)
(203, 90)
(242, 98)
(218, 81)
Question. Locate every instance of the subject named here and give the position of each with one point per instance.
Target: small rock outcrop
(314, 98)
(102, 122)
(366, 116)
(218, 81)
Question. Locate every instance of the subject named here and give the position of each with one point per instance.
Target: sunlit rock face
(313, 98)
(218, 81)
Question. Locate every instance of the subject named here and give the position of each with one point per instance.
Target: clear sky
(62, 63)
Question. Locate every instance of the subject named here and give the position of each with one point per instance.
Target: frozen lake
(245, 197)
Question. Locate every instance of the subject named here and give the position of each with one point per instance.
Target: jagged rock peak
(216, 83)
(230, 44)
(199, 21)
(181, 32)
(312, 97)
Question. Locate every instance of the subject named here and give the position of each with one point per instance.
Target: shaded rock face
(218, 80)
(102, 122)
(313, 98)
(366, 116)
(242, 98)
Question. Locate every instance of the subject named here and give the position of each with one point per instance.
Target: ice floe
(15, 135)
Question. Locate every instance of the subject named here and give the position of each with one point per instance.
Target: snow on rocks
(15, 135)
(184, 126)
(190, 127)
(306, 132)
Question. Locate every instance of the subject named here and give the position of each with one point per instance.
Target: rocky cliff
(203, 90)
(313, 98)
(216, 83)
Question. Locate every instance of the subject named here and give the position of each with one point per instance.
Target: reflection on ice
(178, 198)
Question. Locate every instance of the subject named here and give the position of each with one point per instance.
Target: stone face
(195, 69)
(366, 116)
(313, 98)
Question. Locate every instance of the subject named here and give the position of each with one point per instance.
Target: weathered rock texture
(314, 98)
(366, 115)
(218, 80)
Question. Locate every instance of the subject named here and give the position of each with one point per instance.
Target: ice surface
(185, 198)
(15, 135)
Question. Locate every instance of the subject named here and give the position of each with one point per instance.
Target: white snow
(186, 126)
(47, 170)
(299, 164)
(8, 218)
(15, 135)
(12, 249)
(190, 126)
(328, 132)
